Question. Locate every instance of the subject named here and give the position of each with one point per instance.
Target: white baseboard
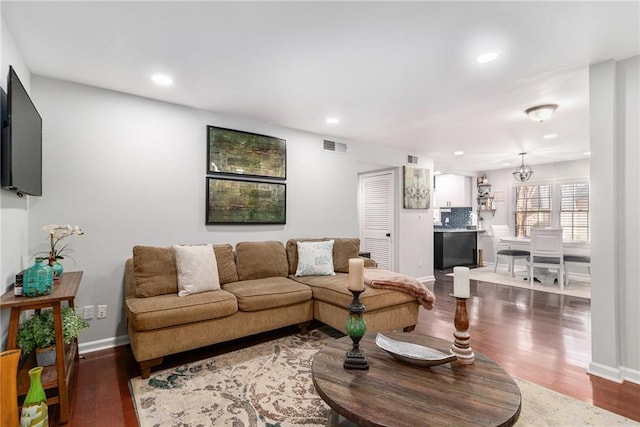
(428, 281)
(631, 375)
(91, 346)
(606, 372)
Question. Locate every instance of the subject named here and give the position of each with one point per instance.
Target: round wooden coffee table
(393, 393)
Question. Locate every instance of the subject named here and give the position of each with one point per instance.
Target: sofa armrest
(368, 262)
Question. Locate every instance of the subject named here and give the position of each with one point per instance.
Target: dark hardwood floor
(540, 337)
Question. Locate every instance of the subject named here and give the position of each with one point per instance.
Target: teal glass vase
(34, 409)
(38, 279)
(57, 269)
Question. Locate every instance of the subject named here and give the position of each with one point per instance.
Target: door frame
(394, 171)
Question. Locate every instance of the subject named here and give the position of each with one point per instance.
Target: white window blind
(574, 211)
(533, 208)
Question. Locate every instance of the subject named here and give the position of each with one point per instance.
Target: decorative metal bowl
(413, 353)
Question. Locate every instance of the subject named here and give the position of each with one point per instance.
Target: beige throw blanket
(385, 279)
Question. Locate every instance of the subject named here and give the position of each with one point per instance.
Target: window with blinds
(533, 208)
(574, 211)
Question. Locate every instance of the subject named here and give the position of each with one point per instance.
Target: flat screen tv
(21, 147)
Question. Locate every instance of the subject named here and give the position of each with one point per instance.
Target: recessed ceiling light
(161, 79)
(458, 153)
(486, 57)
(437, 173)
(549, 136)
(333, 120)
(587, 153)
(506, 164)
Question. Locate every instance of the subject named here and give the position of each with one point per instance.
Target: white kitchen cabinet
(452, 191)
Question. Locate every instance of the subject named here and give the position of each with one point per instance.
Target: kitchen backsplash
(458, 218)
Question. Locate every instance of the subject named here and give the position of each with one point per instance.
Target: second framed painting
(233, 201)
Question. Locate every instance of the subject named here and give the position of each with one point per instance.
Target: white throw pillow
(315, 258)
(197, 269)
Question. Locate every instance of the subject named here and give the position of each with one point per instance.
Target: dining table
(570, 247)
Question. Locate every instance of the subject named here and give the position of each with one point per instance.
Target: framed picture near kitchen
(237, 152)
(235, 201)
(417, 190)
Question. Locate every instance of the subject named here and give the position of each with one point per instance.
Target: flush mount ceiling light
(333, 120)
(541, 113)
(523, 172)
(550, 136)
(458, 153)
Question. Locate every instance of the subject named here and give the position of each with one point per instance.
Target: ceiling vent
(337, 147)
(412, 159)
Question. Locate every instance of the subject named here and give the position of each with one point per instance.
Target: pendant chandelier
(523, 172)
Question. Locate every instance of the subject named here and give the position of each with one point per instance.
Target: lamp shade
(524, 172)
(541, 113)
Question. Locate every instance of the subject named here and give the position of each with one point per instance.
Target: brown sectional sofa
(259, 292)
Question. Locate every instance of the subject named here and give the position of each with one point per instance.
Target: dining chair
(502, 249)
(547, 252)
(575, 260)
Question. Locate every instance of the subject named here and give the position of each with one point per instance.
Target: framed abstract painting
(417, 189)
(234, 152)
(234, 201)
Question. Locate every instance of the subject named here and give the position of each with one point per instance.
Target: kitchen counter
(454, 246)
(456, 230)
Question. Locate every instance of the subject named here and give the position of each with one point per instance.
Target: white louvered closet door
(376, 217)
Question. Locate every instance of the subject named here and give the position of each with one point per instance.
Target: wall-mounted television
(21, 148)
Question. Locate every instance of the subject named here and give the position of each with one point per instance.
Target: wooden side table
(59, 375)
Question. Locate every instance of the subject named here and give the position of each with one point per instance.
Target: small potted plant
(37, 332)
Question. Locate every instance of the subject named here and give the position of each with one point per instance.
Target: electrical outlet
(102, 311)
(87, 312)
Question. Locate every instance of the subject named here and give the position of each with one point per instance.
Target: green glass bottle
(38, 279)
(34, 409)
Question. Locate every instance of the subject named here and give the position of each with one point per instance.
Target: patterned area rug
(579, 286)
(270, 384)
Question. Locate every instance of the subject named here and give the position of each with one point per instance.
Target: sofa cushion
(343, 249)
(197, 269)
(315, 258)
(292, 252)
(171, 310)
(154, 269)
(333, 290)
(262, 294)
(257, 260)
(226, 260)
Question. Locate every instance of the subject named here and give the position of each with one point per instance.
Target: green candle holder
(356, 328)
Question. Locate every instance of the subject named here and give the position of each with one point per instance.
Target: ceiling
(397, 74)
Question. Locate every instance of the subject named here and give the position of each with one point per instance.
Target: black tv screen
(21, 141)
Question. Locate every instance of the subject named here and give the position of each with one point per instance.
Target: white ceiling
(397, 74)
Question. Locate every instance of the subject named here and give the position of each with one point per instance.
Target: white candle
(461, 282)
(356, 274)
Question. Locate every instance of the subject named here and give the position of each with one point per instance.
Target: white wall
(130, 170)
(14, 255)
(615, 191)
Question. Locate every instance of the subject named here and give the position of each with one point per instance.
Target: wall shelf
(485, 201)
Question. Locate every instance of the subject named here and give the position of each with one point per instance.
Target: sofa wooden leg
(304, 327)
(145, 366)
(409, 328)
